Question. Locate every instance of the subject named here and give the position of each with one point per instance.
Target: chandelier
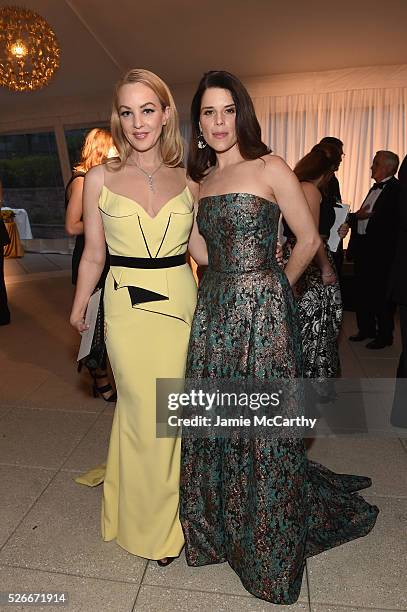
(29, 50)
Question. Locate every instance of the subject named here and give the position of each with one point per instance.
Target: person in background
(317, 291)
(4, 240)
(96, 149)
(372, 245)
(398, 293)
(331, 196)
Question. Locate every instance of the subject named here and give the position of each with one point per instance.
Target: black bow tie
(378, 185)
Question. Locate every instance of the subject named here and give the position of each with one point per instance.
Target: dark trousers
(374, 314)
(399, 412)
(377, 324)
(338, 257)
(4, 311)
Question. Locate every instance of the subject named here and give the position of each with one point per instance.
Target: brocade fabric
(258, 504)
(320, 314)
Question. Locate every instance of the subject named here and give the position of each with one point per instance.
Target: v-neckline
(119, 195)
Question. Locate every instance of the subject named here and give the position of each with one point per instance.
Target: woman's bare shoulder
(275, 163)
(95, 175)
(311, 190)
(76, 184)
(94, 181)
(193, 188)
(181, 174)
(77, 180)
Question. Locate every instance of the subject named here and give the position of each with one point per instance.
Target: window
(31, 175)
(29, 161)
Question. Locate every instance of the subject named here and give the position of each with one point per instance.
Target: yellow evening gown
(148, 314)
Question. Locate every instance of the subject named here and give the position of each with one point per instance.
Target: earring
(201, 141)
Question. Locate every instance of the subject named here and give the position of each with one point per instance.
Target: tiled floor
(51, 429)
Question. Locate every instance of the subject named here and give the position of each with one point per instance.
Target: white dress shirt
(368, 205)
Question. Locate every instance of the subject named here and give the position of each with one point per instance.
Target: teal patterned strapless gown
(257, 503)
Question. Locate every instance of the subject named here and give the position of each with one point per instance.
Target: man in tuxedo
(398, 293)
(372, 245)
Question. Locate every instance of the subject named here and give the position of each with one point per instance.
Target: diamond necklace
(149, 175)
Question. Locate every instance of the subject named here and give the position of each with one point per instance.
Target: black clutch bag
(96, 358)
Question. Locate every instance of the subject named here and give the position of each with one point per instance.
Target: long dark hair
(326, 144)
(332, 140)
(248, 129)
(322, 160)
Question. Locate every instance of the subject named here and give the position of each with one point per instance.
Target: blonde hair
(171, 142)
(95, 150)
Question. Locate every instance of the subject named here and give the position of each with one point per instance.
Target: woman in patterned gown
(317, 291)
(257, 503)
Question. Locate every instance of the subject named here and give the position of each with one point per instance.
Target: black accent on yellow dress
(257, 503)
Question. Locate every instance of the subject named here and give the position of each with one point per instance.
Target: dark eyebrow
(210, 107)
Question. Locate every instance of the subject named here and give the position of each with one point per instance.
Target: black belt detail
(148, 263)
(139, 295)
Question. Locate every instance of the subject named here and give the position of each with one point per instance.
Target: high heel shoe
(168, 561)
(99, 391)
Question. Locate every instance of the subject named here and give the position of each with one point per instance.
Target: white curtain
(365, 107)
(365, 120)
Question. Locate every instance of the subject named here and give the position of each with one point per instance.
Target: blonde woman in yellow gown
(144, 209)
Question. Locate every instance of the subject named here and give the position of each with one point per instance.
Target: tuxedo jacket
(398, 280)
(377, 247)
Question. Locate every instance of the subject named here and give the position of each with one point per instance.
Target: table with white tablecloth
(22, 221)
(15, 247)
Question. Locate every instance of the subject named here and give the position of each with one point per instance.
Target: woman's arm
(293, 205)
(74, 210)
(94, 254)
(313, 197)
(197, 245)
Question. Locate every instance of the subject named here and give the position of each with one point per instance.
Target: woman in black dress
(96, 148)
(331, 198)
(317, 291)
